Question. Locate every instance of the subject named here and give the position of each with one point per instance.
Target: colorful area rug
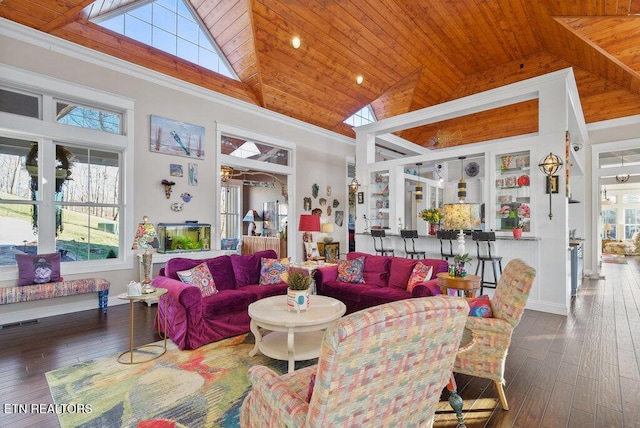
(614, 258)
(200, 388)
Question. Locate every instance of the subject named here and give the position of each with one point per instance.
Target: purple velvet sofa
(193, 321)
(385, 280)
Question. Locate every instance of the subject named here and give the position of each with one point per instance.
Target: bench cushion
(27, 293)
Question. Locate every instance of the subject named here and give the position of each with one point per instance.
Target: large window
(631, 222)
(230, 212)
(62, 189)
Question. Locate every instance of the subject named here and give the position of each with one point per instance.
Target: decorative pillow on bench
(38, 269)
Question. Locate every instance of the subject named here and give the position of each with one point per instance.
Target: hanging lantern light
(419, 190)
(462, 185)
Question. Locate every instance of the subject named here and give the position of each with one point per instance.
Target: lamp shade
(145, 237)
(252, 215)
(309, 223)
(327, 227)
(461, 216)
(608, 227)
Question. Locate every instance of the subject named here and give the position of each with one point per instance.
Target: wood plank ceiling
(412, 54)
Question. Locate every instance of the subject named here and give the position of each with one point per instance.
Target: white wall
(321, 155)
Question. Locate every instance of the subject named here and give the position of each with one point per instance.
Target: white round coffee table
(292, 336)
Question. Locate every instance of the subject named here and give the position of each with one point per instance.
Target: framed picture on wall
(177, 138)
(331, 252)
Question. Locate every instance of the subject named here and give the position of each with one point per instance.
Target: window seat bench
(50, 290)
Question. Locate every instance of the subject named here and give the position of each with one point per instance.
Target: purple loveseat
(193, 321)
(385, 280)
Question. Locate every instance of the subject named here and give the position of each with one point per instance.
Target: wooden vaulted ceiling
(412, 54)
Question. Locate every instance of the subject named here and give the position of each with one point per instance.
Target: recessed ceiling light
(359, 79)
(295, 42)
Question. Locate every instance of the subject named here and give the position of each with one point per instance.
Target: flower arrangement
(524, 211)
(433, 215)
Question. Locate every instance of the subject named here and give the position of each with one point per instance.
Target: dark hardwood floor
(575, 371)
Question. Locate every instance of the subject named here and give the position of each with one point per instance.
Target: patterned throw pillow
(199, 276)
(38, 268)
(273, 271)
(351, 270)
(420, 273)
(480, 307)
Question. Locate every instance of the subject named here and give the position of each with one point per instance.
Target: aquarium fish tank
(183, 237)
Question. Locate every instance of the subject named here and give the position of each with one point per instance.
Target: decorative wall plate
(177, 206)
(472, 169)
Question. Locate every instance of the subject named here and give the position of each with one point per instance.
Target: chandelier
(622, 178)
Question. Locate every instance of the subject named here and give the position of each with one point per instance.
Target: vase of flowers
(433, 216)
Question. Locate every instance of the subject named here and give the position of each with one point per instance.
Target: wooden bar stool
(411, 234)
(379, 233)
(447, 237)
(486, 253)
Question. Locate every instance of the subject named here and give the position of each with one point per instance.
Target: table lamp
(461, 216)
(252, 216)
(308, 223)
(146, 238)
(607, 228)
(328, 229)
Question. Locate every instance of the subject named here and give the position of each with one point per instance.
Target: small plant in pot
(517, 231)
(298, 292)
(461, 260)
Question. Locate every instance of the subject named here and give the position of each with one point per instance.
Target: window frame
(47, 132)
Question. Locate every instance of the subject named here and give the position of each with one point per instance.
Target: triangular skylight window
(362, 117)
(171, 26)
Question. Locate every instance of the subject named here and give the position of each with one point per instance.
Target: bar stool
(486, 253)
(411, 234)
(446, 238)
(379, 233)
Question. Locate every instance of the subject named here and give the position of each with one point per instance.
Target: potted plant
(517, 231)
(298, 291)
(461, 260)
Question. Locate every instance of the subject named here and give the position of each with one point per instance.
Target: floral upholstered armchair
(492, 336)
(382, 366)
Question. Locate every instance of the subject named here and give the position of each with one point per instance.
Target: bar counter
(526, 248)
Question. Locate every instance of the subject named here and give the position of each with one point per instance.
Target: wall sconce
(225, 173)
(419, 193)
(462, 186)
(354, 185)
(549, 166)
